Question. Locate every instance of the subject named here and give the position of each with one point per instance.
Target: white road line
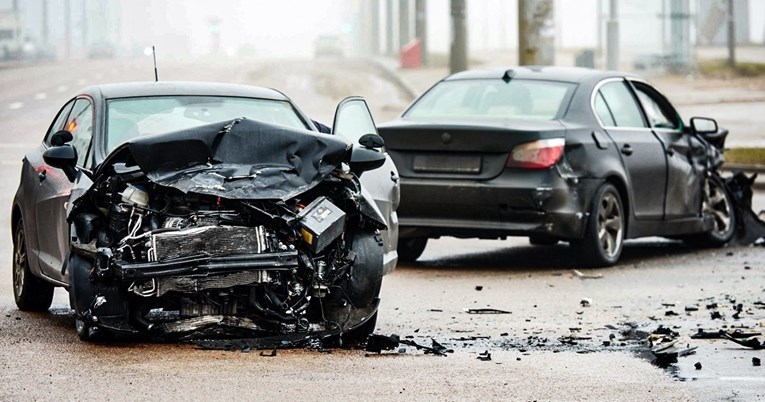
(16, 105)
(41, 96)
(62, 88)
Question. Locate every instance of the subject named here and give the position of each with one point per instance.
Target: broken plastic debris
(484, 357)
(691, 308)
(270, 354)
(377, 343)
(582, 275)
(752, 343)
(486, 311)
(697, 365)
(756, 361)
(585, 302)
(479, 288)
(715, 315)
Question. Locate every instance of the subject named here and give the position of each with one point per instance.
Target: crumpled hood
(241, 159)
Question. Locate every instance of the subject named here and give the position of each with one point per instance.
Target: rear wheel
(30, 292)
(410, 248)
(604, 235)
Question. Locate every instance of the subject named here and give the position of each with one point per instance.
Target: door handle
(627, 149)
(41, 176)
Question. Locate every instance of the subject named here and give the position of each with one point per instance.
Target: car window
(621, 103)
(493, 99)
(353, 120)
(603, 112)
(658, 110)
(80, 124)
(127, 118)
(58, 123)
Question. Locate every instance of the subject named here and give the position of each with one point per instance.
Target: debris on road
(585, 302)
(270, 354)
(377, 343)
(752, 343)
(691, 308)
(582, 275)
(756, 361)
(486, 311)
(484, 357)
(716, 315)
(750, 227)
(697, 365)
(479, 288)
(670, 313)
(667, 352)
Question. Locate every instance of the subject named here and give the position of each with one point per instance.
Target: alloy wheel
(19, 263)
(716, 203)
(610, 224)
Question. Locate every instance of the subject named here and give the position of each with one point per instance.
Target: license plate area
(439, 163)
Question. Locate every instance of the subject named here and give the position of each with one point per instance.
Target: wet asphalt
(547, 345)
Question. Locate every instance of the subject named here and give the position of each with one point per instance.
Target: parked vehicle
(177, 209)
(579, 155)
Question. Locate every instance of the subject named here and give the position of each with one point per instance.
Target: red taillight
(540, 154)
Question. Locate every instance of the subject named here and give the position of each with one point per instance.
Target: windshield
(127, 118)
(493, 99)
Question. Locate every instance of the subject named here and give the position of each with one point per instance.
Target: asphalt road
(548, 347)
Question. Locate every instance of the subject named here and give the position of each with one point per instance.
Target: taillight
(540, 154)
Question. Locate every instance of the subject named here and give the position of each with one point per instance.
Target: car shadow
(560, 256)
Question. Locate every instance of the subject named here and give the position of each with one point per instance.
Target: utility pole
(67, 29)
(612, 36)
(421, 28)
(389, 27)
(84, 22)
(731, 35)
(403, 23)
(45, 30)
(536, 32)
(374, 27)
(458, 54)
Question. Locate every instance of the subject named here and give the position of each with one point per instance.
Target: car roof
(570, 74)
(181, 88)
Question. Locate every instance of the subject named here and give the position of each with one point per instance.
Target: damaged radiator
(208, 240)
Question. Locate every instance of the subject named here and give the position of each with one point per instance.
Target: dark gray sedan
(578, 155)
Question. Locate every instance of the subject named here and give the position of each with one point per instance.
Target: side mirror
(61, 137)
(707, 128)
(63, 157)
(363, 159)
(372, 141)
(703, 125)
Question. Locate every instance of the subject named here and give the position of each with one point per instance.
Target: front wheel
(717, 202)
(604, 234)
(30, 292)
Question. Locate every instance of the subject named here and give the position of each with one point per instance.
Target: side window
(659, 111)
(80, 124)
(624, 109)
(58, 124)
(603, 112)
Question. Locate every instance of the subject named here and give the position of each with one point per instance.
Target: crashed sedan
(579, 155)
(189, 209)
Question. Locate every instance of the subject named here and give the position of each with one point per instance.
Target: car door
(684, 177)
(352, 120)
(641, 151)
(53, 192)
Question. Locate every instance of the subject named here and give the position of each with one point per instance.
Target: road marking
(41, 96)
(16, 105)
(62, 88)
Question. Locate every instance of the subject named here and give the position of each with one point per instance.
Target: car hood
(240, 159)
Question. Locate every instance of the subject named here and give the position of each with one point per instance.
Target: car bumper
(516, 203)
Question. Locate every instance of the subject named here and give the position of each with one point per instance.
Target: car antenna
(154, 55)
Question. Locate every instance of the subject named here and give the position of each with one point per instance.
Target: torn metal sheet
(751, 343)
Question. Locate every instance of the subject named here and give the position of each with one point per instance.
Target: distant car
(328, 46)
(578, 155)
(184, 208)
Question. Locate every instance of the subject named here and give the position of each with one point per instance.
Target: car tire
(542, 241)
(604, 233)
(716, 200)
(361, 332)
(30, 292)
(410, 248)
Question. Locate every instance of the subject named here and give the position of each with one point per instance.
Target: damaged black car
(188, 209)
(556, 154)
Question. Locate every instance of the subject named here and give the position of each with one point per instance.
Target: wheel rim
(19, 263)
(610, 225)
(718, 205)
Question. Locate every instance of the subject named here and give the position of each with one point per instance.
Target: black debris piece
(662, 330)
(756, 361)
(246, 349)
(470, 338)
(416, 330)
(484, 357)
(668, 304)
(749, 227)
(486, 311)
(697, 365)
(606, 343)
(436, 348)
(691, 308)
(479, 288)
(585, 302)
(716, 315)
(751, 343)
(711, 306)
(377, 343)
(272, 353)
(436, 310)
(667, 352)
(670, 313)
(503, 334)
(718, 334)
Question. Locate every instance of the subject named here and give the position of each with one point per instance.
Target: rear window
(494, 99)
